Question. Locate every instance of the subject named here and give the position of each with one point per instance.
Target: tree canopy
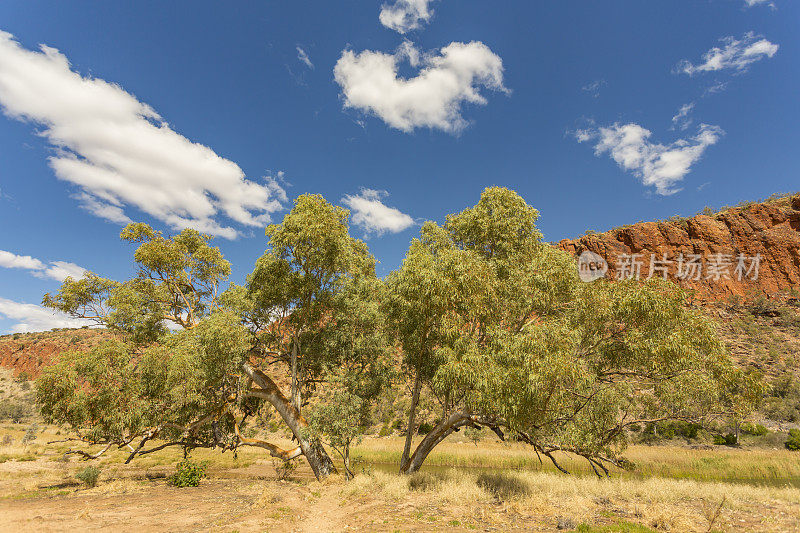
(500, 328)
(482, 315)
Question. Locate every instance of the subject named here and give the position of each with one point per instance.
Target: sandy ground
(39, 496)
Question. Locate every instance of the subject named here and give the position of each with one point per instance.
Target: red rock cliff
(723, 241)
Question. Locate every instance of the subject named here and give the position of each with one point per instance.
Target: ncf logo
(591, 266)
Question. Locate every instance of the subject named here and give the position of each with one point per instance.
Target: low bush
(754, 429)
(793, 442)
(725, 440)
(14, 410)
(187, 474)
(89, 475)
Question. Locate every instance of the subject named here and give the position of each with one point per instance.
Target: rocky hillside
(742, 250)
(26, 353)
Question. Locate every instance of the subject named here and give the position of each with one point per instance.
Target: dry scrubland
(38, 491)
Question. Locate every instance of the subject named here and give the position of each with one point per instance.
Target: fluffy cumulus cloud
(121, 153)
(431, 99)
(371, 214)
(662, 166)
(10, 260)
(61, 270)
(30, 317)
(735, 54)
(57, 270)
(404, 16)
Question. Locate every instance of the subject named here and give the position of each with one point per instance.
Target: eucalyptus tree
(225, 354)
(500, 329)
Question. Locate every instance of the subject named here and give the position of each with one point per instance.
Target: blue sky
(217, 115)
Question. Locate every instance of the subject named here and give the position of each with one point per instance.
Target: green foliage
(793, 442)
(425, 428)
(725, 440)
(498, 324)
(88, 475)
(473, 434)
(310, 311)
(14, 410)
(757, 430)
(118, 389)
(494, 322)
(187, 474)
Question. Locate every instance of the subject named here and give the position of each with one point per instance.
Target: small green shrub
(14, 410)
(754, 429)
(385, 431)
(187, 474)
(425, 428)
(793, 442)
(725, 440)
(88, 475)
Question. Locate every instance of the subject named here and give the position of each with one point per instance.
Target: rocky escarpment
(27, 353)
(741, 250)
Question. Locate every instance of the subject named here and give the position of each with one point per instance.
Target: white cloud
(406, 15)
(57, 270)
(121, 153)
(751, 3)
(302, 56)
(369, 212)
(10, 260)
(60, 270)
(736, 54)
(659, 165)
(682, 119)
(717, 87)
(433, 98)
(112, 213)
(30, 317)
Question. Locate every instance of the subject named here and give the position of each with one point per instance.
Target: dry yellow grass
(747, 465)
(678, 505)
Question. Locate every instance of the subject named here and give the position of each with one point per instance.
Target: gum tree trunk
(437, 435)
(312, 448)
(411, 425)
